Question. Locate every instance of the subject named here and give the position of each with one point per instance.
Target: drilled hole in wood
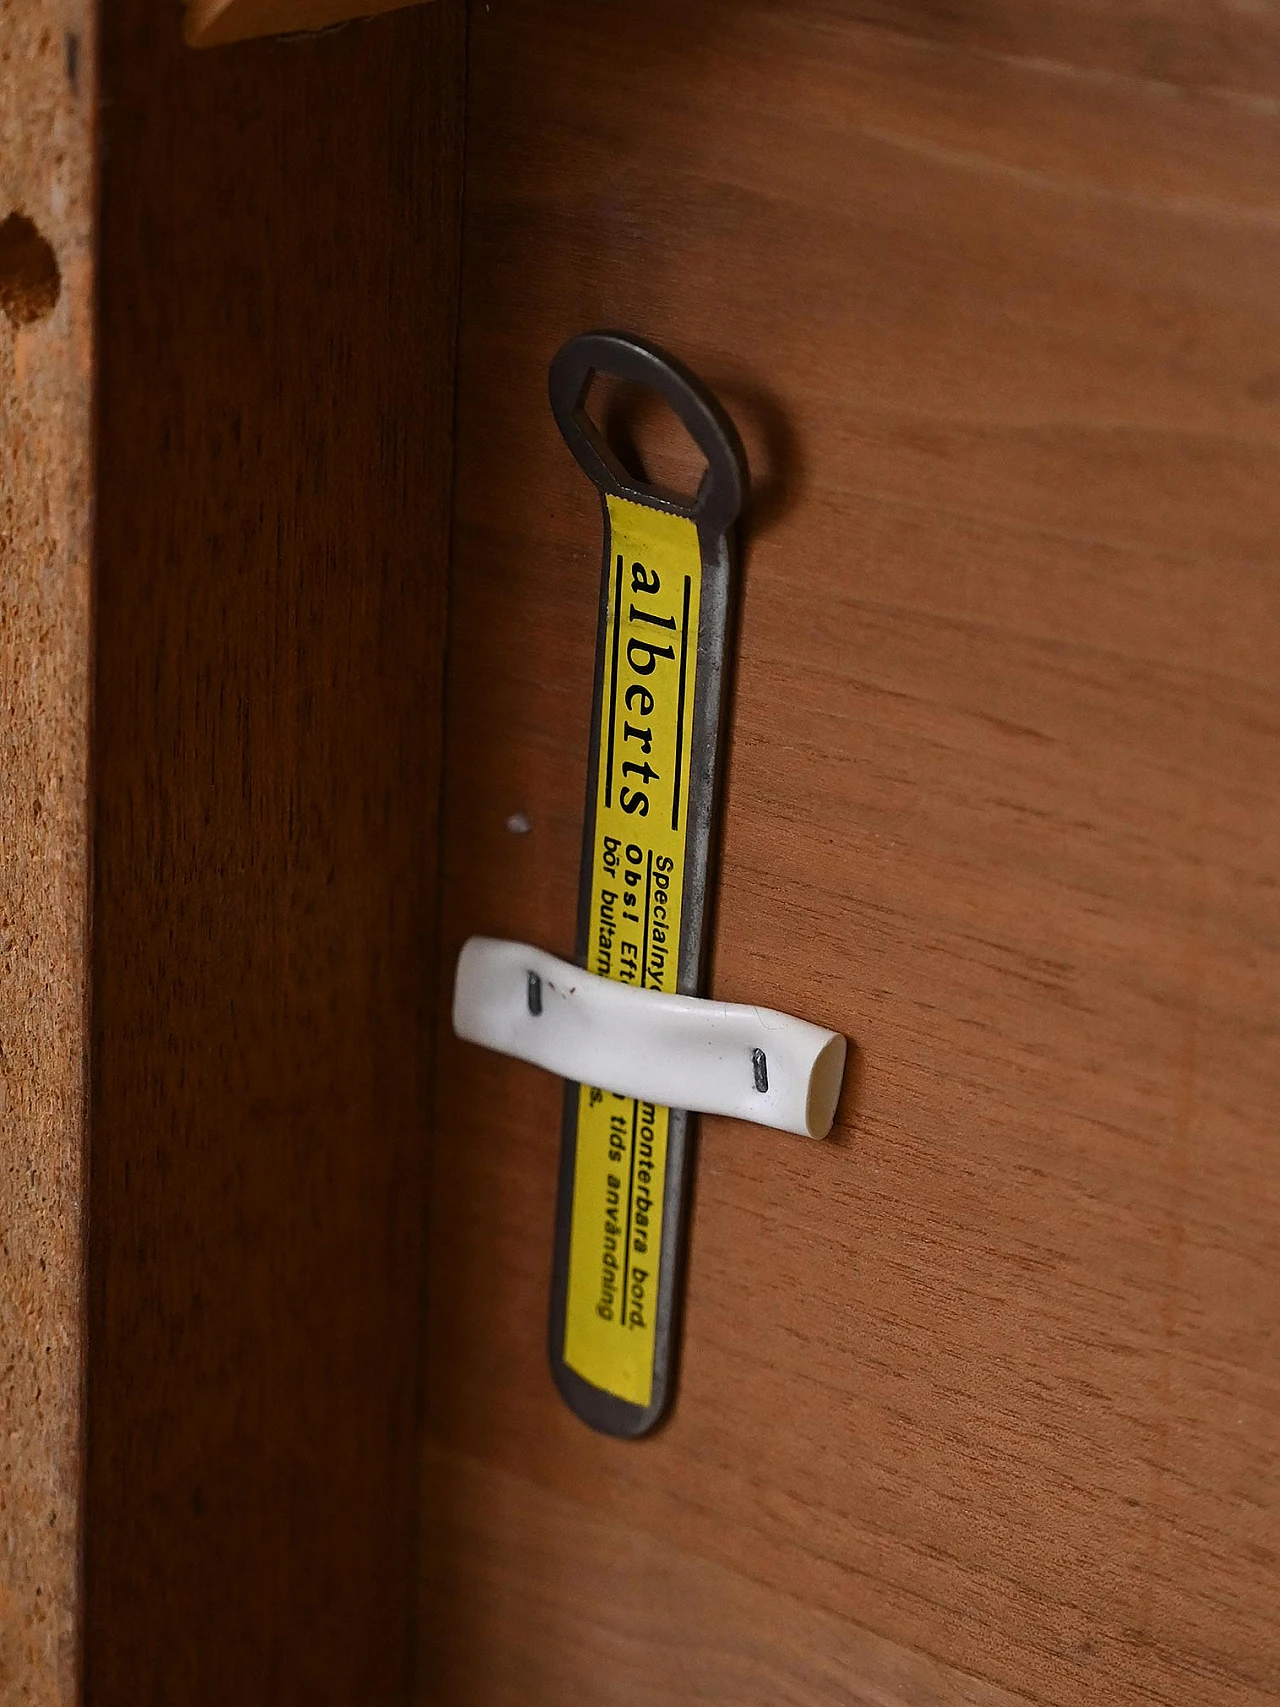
(29, 276)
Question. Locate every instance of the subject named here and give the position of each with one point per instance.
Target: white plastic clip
(678, 1051)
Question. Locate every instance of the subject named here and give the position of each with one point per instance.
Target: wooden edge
(215, 23)
(47, 247)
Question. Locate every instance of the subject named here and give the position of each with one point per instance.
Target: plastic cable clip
(677, 1051)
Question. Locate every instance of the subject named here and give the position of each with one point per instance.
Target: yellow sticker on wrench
(641, 809)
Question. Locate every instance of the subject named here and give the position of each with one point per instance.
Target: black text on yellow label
(637, 882)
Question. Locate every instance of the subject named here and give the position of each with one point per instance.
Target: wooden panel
(46, 347)
(279, 254)
(1179, 46)
(993, 1376)
(538, 1588)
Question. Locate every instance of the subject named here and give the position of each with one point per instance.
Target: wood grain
(535, 1587)
(46, 357)
(279, 248)
(994, 1376)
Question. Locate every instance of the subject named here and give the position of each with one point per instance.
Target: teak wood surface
(278, 263)
(980, 1403)
(980, 1399)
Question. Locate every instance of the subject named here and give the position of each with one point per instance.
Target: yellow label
(637, 879)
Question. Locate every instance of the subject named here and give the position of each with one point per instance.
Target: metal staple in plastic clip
(678, 1051)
